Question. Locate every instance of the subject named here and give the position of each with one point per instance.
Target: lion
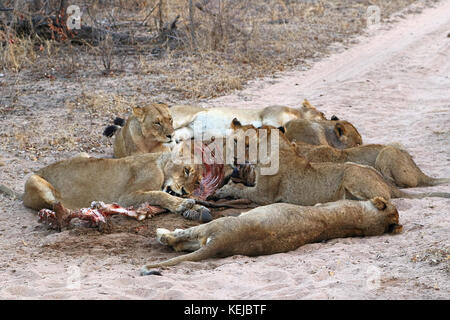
(301, 182)
(215, 121)
(339, 134)
(396, 165)
(152, 177)
(277, 228)
(147, 129)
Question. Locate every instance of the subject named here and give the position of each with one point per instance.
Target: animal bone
(213, 174)
(97, 214)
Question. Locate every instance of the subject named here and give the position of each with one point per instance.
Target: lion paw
(161, 235)
(186, 204)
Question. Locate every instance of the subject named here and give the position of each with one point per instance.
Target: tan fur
(301, 182)
(396, 165)
(146, 130)
(309, 112)
(132, 180)
(279, 228)
(339, 134)
(183, 114)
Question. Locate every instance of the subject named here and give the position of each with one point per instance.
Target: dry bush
(227, 42)
(101, 104)
(57, 98)
(218, 44)
(17, 53)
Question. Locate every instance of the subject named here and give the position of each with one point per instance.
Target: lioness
(337, 133)
(396, 165)
(301, 182)
(128, 181)
(215, 121)
(279, 227)
(147, 129)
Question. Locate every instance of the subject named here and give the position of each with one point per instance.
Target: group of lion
(328, 183)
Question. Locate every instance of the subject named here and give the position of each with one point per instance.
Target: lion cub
(279, 227)
(146, 130)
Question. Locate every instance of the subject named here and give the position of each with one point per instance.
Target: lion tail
(401, 194)
(111, 130)
(205, 252)
(429, 181)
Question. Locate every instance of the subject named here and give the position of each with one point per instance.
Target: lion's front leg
(239, 191)
(185, 207)
(157, 198)
(230, 190)
(39, 193)
(180, 240)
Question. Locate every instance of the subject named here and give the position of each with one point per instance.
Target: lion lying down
(301, 182)
(216, 121)
(396, 165)
(153, 178)
(340, 134)
(278, 228)
(151, 128)
(147, 129)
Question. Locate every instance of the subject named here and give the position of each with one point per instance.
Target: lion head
(390, 212)
(346, 135)
(251, 145)
(310, 112)
(339, 134)
(181, 179)
(155, 121)
(249, 135)
(182, 174)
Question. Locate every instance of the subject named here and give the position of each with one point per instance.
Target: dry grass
(232, 41)
(17, 54)
(228, 43)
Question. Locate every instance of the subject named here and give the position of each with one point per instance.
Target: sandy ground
(394, 86)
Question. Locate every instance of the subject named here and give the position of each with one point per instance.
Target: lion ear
(163, 104)
(236, 123)
(334, 118)
(379, 203)
(306, 104)
(339, 129)
(138, 112)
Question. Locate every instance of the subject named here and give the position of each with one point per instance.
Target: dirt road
(394, 86)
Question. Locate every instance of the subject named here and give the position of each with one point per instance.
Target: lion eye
(187, 171)
(157, 123)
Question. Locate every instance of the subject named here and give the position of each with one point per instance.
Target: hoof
(201, 214)
(110, 131)
(205, 214)
(119, 122)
